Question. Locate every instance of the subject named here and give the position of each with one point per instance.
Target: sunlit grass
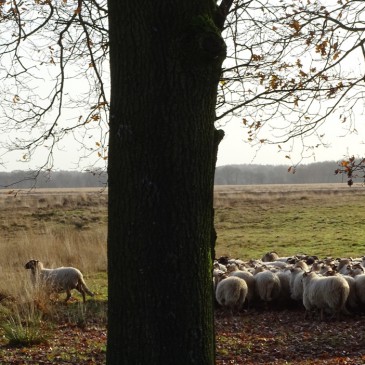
(23, 325)
(319, 222)
(69, 229)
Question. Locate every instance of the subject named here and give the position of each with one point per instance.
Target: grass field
(68, 227)
(65, 226)
(322, 220)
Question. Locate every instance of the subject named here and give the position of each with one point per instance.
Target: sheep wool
(268, 285)
(231, 292)
(325, 292)
(250, 281)
(62, 279)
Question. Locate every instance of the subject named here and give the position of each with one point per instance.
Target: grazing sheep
(267, 285)
(360, 289)
(59, 280)
(285, 300)
(270, 256)
(217, 277)
(276, 264)
(311, 260)
(218, 266)
(356, 269)
(352, 301)
(325, 292)
(302, 264)
(343, 263)
(232, 267)
(344, 270)
(250, 281)
(223, 260)
(231, 292)
(296, 285)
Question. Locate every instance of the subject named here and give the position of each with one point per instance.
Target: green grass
(321, 225)
(24, 327)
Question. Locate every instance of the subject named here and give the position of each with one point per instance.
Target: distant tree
(318, 172)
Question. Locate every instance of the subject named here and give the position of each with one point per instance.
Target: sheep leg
(83, 297)
(81, 290)
(68, 295)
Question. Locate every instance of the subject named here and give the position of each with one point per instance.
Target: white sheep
(360, 288)
(250, 281)
(219, 266)
(356, 269)
(325, 292)
(352, 300)
(302, 264)
(270, 256)
(58, 280)
(276, 264)
(285, 292)
(267, 285)
(231, 292)
(296, 285)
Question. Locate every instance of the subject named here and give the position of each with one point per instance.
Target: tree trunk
(165, 60)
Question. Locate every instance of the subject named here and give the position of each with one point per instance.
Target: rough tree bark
(165, 60)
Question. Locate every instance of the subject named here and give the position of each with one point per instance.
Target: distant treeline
(320, 172)
(52, 179)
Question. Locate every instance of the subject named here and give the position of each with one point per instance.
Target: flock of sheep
(334, 286)
(328, 286)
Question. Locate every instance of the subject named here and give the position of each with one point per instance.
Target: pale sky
(232, 150)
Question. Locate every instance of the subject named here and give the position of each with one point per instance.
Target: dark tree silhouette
(165, 67)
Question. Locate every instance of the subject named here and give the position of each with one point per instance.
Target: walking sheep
(325, 292)
(58, 280)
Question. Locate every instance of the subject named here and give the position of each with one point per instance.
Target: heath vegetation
(67, 227)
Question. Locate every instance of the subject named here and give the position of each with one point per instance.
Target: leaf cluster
(353, 168)
(290, 66)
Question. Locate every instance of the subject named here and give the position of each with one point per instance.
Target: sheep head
(32, 265)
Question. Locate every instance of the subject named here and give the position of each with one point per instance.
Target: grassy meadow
(65, 227)
(323, 220)
(68, 227)
(60, 228)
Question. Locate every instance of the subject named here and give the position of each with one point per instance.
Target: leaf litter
(285, 337)
(273, 337)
